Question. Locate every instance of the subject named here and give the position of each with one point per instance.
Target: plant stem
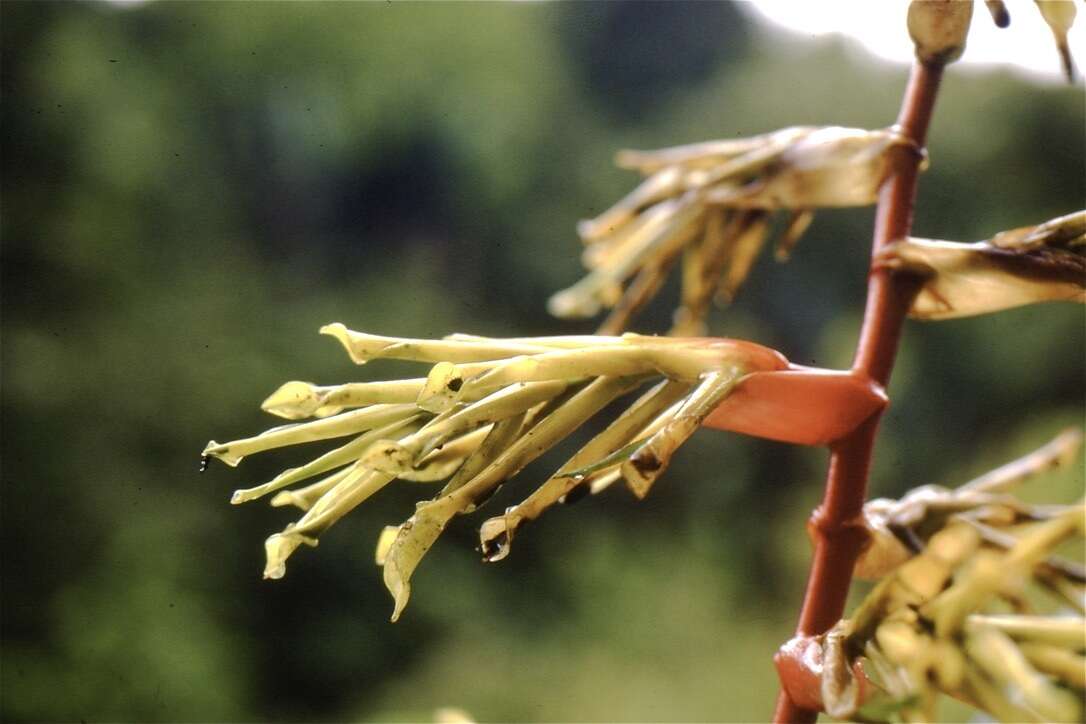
(837, 525)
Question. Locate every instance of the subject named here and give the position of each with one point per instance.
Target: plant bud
(1060, 16)
(938, 29)
(900, 642)
(998, 9)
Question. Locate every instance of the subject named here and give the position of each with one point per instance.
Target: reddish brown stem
(836, 524)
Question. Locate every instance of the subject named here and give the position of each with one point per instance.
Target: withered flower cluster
(711, 204)
(487, 408)
(1043, 263)
(975, 602)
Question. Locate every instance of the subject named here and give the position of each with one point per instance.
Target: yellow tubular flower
(487, 408)
(975, 600)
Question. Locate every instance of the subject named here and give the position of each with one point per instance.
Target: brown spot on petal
(646, 463)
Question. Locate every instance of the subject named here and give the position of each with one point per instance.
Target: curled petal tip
(274, 573)
(221, 452)
(285, 498)
(587, 229)
(401, 593)
(343, 335)
(335, 329)
(293, 400)
(572, 303)
(277, 548)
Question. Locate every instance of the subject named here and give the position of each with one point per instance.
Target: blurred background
(190, 190)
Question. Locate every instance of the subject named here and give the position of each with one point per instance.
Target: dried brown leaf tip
(709, 204)
(487, 408)
(976, 601)
(1032, 264)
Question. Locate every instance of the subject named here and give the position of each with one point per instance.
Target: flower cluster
(1033, 264)
(974, 602)
(711, 204)
(487, 408)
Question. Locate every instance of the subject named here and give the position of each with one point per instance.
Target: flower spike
(487, 408)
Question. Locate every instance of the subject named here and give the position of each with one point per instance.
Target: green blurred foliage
(191, 189)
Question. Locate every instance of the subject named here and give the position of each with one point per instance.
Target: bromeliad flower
(1033, 264)
(487, 408)
(975, 601)
(711, 203)
(898, 528)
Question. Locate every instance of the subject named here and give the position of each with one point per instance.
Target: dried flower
(1023, 266)
(897, 525)
(487, 408)
(710, 203)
